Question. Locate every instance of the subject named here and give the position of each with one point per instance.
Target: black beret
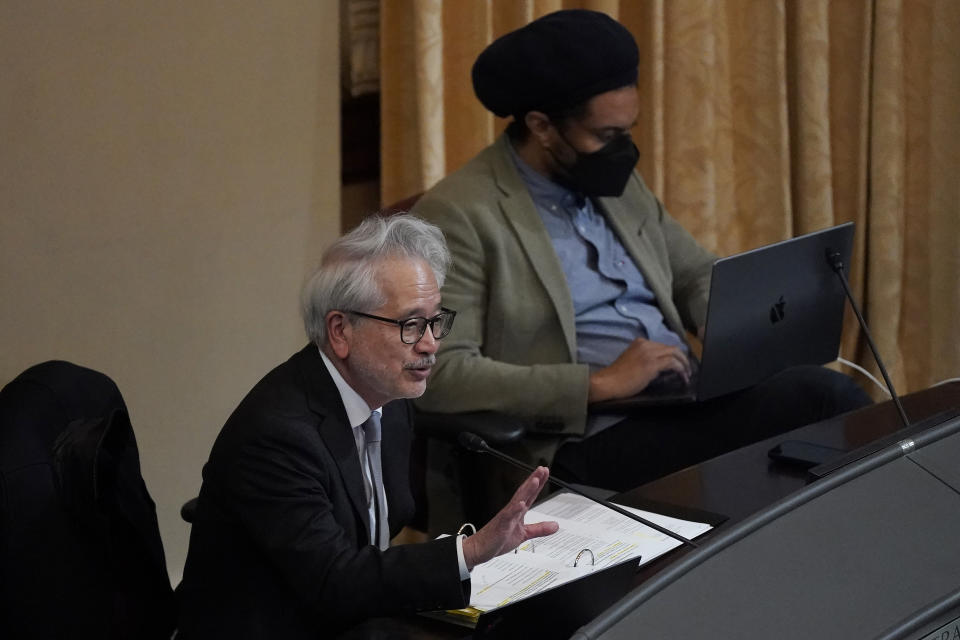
(557, 61)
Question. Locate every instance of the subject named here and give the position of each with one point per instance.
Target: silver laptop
(770, 308)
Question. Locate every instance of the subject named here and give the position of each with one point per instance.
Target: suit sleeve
(468, 376)
(280, 487)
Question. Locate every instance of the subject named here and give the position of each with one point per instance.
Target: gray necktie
(371, 432)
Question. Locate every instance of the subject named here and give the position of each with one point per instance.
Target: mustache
(422, 363)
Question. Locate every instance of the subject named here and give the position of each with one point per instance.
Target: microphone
(473, 442)
(835, 260)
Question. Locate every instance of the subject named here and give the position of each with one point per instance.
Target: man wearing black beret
(573, 283)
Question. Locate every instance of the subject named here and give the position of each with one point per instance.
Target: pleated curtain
(760, 120)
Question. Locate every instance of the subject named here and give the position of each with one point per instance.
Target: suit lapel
(396, 472)
(323, 399)
(518, 208)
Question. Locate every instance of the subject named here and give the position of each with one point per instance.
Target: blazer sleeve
(286, 491)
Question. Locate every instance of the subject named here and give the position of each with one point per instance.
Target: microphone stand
(473, 442)
(835, 260)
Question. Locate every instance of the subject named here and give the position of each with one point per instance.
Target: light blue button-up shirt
(611, 301)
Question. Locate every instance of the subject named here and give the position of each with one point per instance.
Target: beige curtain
(760, 119)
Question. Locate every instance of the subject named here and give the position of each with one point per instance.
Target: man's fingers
(685, 360)
(679, 365)
(526, 491)
(539, 529)
(542, 474)
(673, 359)
(677, 354)
(657, 352)
(531, 487)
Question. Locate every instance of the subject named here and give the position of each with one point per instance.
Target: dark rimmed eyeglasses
(412, 329)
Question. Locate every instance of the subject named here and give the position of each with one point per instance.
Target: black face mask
(604, 172)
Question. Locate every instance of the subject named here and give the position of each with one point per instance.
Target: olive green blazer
(513, 346)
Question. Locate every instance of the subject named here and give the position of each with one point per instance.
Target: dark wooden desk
(736, 485)
(742, 482)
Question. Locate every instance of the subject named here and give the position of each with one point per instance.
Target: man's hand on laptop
(636, 367)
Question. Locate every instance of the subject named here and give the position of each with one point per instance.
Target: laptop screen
(771, 308)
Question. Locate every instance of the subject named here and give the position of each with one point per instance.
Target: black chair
(477, 485)
(189, 510)
(80, 549)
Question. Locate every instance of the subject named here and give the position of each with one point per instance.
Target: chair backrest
(80, 549)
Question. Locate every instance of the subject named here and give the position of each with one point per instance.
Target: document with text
(591, 538)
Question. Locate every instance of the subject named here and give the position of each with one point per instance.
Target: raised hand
(506, 530)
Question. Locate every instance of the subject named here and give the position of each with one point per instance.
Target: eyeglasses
(412, 329)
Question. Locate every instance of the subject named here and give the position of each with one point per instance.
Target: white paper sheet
(543, 563)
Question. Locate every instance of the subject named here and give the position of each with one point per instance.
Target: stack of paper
(590, 536)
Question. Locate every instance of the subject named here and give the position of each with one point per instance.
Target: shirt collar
(542, 188)
(357, 408)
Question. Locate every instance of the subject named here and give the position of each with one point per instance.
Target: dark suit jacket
(280, 542)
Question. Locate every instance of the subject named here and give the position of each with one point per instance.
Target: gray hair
(346, 278)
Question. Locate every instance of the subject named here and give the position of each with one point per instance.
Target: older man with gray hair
(308, 479)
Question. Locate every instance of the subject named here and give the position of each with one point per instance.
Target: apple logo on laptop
(777, 311)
